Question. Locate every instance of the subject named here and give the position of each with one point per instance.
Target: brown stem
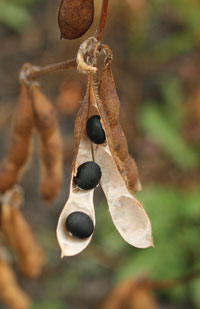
(37, 72)
(174, 282)
(102, 22)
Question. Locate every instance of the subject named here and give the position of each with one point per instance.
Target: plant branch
(102, 21)
(174, 282)
(35, 72)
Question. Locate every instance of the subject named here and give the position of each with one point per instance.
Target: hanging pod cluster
(101, 156)
(29, 256)
(33, 110)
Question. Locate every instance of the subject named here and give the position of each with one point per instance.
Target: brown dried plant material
(79, 200)
(69, 99)
(127, 213)
(130, 294)
(15, 229)
(117, 298)
(193, 106)
(19, 150)
(86, 56)
(119, 172)
(10, 292)
(116, 138)
(50, 145)
(142, 298)
(75, 18)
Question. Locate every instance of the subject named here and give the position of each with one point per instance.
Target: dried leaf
(79, 200)
(19, 150)
(10, 292)
(50, 145)
(75, 18)
(18, 234)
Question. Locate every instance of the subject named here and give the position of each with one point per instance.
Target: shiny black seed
(79, 224)
(95, 131)
(88, 175)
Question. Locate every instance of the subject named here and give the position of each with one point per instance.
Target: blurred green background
(156, 64)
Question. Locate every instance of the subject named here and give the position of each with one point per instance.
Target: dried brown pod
(75, 18)
(69, 99)
(10, 292)
(127, 213)
(109, 107)
(18, 234)
(19, 150)
(50, 144)
(79, 200)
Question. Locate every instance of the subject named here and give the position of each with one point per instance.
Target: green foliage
(176, 232)
(163, 125)
(15, 14)
(49, 305)
(146, 39)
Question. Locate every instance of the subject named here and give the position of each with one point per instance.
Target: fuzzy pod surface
(75, 18)
(79, 224)
(88, 175)
(95, 131)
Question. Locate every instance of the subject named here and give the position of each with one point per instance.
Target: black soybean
(79, 224)
(95, 131)
(88, 175)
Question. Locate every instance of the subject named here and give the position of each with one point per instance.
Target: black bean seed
(88, 175)
(79, 224)
(95, 131)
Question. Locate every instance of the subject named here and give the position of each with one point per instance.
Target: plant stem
(35, 72)
(174, 282)
(102, 22)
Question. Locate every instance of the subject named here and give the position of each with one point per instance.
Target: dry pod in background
(16, 231)
(69, 99)
(50, 145)
(19, 149)
(10, 292)
(70, 232)
(75, 18)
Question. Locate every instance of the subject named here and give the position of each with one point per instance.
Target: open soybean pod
(50, 145)
(20, 144)
(75, 18)
(119, 172)
(77, 220)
